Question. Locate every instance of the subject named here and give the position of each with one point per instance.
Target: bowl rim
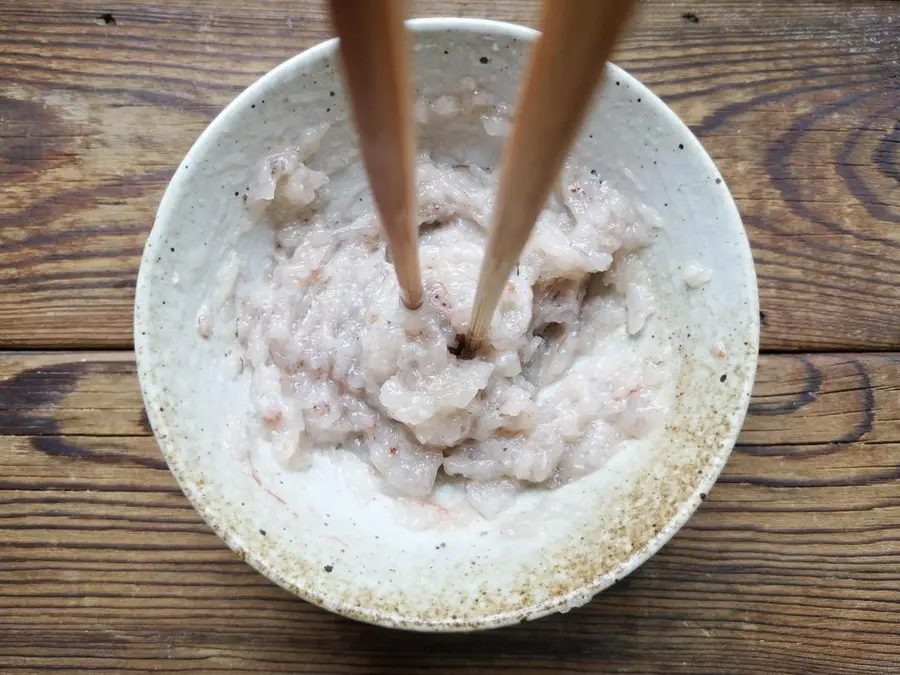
(206, 507)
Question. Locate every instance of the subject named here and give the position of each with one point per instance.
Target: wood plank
(790, 566)
(90, 393)
(796, 101)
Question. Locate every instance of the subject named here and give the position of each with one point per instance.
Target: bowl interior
(327, 533)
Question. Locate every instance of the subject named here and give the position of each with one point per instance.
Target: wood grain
(791, 565)
(796, 101)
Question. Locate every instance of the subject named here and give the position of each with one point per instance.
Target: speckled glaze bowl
(308, 531)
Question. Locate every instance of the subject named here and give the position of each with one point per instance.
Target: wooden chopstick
(563, 73)
(375, 54)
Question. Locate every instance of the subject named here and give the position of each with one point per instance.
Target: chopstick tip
(412, 301)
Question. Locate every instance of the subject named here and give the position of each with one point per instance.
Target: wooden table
(791, 566)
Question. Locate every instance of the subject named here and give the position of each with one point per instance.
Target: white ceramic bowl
(305, 530)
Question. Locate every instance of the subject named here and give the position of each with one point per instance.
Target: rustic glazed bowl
(310, 531)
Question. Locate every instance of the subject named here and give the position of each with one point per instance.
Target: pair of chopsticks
(563, 73)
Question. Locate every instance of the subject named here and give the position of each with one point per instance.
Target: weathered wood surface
(791, 565)
(796, 101)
